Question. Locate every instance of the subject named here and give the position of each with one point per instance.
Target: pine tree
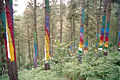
(119, 28)
(61, 20)
(107, 28)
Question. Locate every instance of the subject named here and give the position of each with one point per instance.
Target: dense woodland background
(69, 17)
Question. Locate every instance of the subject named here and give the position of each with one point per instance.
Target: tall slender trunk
(98, 14)
(81, 31)
(72, 28)
(29, 51)
(87, 18)
(35, 37)
(107, 28)
(2, 58)
(119, 29)
(61, 20)
(10, 49)
(52, 36)
(103, 26)
(47, 35)
(19, 53)
(74, 35)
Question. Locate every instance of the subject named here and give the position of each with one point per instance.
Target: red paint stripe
(106, 38)
(119, 44)
(102, 37)
(10, 25)
(81, 40)
(47, 31)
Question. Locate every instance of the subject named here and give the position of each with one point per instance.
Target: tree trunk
(103, 26)
(19, 53)
(74, 35)
(35, 37)
(98, 13)
(119, 29)
(52, 37)
(61, 20)
(47, 35)
(87, 18)
(81, 31)
(107, 28)
(29, 52)
(12, 63)
(2, 58)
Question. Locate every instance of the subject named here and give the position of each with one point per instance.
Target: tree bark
(29, 52)
(19, 53)
(119, 28)
(2, 58)
(81, 31)
(61, 20)
(107, 28)
(47, 35)
(35, 31)
(12, 65)
(103, 26)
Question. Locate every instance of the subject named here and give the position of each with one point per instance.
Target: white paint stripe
(100, 49)
(80, 49)
(8, 49)
(45, 51)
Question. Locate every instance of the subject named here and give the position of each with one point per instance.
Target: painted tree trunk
(119, 29)
(98, 14)
(81, 31)
(107, 28)
(61, 20)
(47, 35)
(87, 19)
(35, 38)
(103, 26)
(10, 42)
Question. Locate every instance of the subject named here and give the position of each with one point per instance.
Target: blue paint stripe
(104, 20)
(35, 46)
(107, 29)
(102, 29)
(81, 29)
(102, 33)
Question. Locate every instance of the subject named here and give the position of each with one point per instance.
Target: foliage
(91, 68)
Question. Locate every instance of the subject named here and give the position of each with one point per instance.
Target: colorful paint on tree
(9, 15)
(7, 23)
(119, 29)
(81, 28)
(35, 37)
(103, 26)
(47, 32)
(107, 27)
(87, 18)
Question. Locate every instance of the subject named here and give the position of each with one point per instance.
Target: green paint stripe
(10, 1)
(80, 52)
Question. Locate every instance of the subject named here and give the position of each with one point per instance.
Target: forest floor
(91, 68)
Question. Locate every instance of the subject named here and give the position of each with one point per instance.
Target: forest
(60, 40)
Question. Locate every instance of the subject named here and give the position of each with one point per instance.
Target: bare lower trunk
(61, 20)
(2, 58)
(19, 54)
